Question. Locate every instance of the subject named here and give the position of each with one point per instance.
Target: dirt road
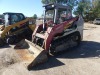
(84, 60)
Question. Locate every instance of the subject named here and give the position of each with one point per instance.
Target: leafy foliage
(1, 16)
(96, 8)
(83, 7)
(35, 16)
(94, 12)
(89, 9)
(72, 3)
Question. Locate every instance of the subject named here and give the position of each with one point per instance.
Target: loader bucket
(30, 53)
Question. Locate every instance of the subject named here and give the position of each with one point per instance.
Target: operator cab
(12, 18)
(58, 13)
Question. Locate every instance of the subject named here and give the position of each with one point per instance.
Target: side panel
(7, 29)
(80, 25)
(32, 27)
(68, 23)
(51, 32)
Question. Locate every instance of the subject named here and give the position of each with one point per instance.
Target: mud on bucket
(22, 45)
(30, 53)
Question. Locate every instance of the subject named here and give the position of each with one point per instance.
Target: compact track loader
(16, 27)
(58, 33)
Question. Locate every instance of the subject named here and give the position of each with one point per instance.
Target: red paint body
(51, 31)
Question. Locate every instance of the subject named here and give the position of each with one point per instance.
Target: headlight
(53, 6)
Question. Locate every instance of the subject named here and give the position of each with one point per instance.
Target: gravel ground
(84, 60)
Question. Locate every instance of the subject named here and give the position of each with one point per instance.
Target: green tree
(53, 1)
(72, 3)
(1, 16)
(83, 7)
(35, 16)
(89, 10)
(96, 8)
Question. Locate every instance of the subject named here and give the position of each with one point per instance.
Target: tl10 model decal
(68, 25)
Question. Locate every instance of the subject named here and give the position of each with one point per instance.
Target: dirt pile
(10, 63)
(16, 69)
(8, 57)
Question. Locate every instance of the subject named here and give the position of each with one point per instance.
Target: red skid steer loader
(57, 33)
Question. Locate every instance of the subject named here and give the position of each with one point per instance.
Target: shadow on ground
(6, 46)
(51, 63)
(87, 49)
